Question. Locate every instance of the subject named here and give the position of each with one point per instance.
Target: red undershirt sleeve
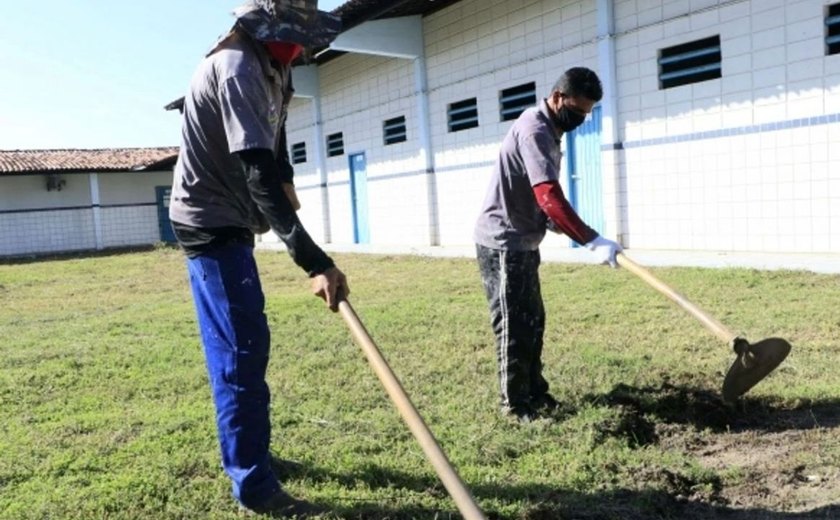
(554, 204)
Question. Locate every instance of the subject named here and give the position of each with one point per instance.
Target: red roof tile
(86, 160)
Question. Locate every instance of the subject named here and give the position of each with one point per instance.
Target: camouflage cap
(296, 21)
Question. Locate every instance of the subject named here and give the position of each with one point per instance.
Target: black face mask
(567, 120)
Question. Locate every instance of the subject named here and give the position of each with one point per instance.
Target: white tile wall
(471, 45)
(46, 232)
(770, 190)
(129, 226)
(33, 220)
(765, 191)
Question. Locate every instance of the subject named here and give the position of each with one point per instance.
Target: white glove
(604, 250)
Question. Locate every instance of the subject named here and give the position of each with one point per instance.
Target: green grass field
(105, 409)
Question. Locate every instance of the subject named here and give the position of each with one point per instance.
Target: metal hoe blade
(754, 362)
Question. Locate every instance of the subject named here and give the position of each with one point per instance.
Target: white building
(70, 200)
(745, 156)
(719, 129)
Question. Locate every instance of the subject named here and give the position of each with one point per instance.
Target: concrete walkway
(814, 262)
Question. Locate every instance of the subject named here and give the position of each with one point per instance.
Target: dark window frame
(335, 144)
(515, 100)
(832, 29)
(394, 130)
(462, 115)
(298, 153)
(690, 62)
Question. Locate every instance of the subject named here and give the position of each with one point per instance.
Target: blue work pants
(230, 307)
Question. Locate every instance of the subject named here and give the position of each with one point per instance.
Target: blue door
(358, 191)
(162, 194)
(583, 153)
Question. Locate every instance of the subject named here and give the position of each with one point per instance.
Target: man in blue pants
(232, 180)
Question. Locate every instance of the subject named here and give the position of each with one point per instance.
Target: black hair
(580, 81)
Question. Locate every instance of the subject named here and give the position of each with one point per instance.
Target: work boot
(285, 469)
(545, 403)
(283, 505)
(523, 414)
(548, 406)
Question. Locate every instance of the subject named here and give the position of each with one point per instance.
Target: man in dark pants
(523, 200)
(233, 180)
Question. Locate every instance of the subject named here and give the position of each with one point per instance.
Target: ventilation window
(335, 144)
(832, 30)
(394, 130)
(298, 153)
(689, 63)
(513, 101)
(463, 115)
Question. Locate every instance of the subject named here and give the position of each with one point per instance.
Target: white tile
(803, 243)
(707, 89)
(702, 4)
(736, 82)
(796, 11)
(770, 77)
(805, 107)
(735, 66)
(736, 46)
(811, 47)
(735, 11)
(769, 19)
(676, 27)
(704, 20)
(673, 8)
(804, 30)
(757, 6)
(767, 39)
(768, 96)
(806, 69)
(832, 102)
(650, 15)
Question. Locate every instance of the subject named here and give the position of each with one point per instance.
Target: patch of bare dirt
(770, 459)
(780, 471)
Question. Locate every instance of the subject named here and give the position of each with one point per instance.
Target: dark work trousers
(512, 285)
(230, 305)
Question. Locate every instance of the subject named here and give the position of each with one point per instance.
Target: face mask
(284, 52)
(567, 119)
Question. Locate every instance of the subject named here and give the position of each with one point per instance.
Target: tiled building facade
(747, 161)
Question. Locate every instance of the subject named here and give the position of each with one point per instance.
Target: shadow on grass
(647, 505)
(73, 255)
(541, 502)
(642, 408)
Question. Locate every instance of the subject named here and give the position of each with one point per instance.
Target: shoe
(522, 414)
(545, 402)
(550, 407)
(285, 469)
(283, 505)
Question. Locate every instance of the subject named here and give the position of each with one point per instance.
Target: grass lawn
(105, 409)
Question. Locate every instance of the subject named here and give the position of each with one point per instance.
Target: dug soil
(765, 459)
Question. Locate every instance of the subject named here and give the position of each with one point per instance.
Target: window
(691, 62)
(832, 30)
(463, 115)
(513, 101)
(298, 153)
(394, 130)
(335, 144)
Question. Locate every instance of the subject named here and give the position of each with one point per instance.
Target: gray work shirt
(236, 101)
(530, 154)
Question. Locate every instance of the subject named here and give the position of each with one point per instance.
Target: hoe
(754, 361)
(451, 481)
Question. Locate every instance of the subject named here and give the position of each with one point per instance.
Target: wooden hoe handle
(712, 324)
(453, 483)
